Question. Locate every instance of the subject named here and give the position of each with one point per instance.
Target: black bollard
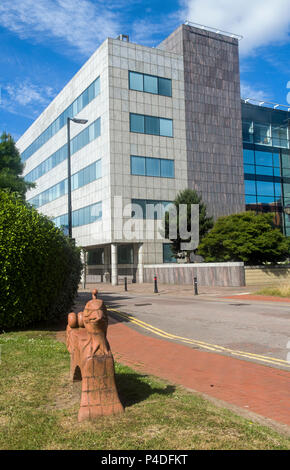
(155, 285)
(125, 283)
(195, 285)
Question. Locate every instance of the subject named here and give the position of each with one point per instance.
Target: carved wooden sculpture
(92, 360)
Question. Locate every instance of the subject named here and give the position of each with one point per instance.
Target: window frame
(161, 160)
(158, 78)
(144, 126)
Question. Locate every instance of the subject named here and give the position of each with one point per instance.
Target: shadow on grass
(132, 388)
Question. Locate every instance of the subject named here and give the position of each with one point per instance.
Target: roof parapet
(214, 30)
(268, 104)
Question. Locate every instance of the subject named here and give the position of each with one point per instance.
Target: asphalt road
(249, 330)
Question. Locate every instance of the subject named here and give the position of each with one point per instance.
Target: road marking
(201, 344)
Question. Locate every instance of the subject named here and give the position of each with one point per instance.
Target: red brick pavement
(260, 389)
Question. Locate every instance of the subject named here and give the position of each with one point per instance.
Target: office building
(159, 120)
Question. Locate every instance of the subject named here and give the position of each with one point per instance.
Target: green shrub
(39, 267)
(247, 237)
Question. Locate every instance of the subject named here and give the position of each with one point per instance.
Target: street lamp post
(78, 121)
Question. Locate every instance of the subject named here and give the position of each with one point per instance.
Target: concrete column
(84, 271)
(114, 264)
(140, 264)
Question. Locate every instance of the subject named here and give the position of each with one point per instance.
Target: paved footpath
(259, 389)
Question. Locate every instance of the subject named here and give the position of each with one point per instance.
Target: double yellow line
(200, 344)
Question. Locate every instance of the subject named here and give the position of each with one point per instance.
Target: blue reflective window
(152, 125)
(76, 219)
(249, 156)
(150, 84)
(167, 168)
(86, 97)
(96, 212)
(277, 189)
(79, 102)
(276, 160)
(265, 199)
(91, 92)
(79, 141)
(137, 123)
(83, 216)
(97, 127)
(79, 179)
(136, 81)
(263, 158)
(264, 170)
(164, 87)
(250, 199)
(152, 167)
(147, 166)
(249, 169)
(265, 188)
(97, 86)
(250, 187)
(137, 165)
(61, 124)
(166, 127)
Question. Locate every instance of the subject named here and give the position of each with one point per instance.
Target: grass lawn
(39, 406)
(279, 291)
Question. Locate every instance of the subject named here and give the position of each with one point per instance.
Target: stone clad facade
(213, 116)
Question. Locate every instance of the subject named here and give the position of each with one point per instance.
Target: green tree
(188, 196)
(247, 237)
(11, 167)
(39, 266)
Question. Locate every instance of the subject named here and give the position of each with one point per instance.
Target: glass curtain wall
(266, 150)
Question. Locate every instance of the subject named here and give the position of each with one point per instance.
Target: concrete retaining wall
(256, 275)
(208, 274)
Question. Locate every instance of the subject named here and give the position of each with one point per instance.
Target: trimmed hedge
(40, 268)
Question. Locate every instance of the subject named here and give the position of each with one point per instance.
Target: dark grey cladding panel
(213, 116)
(207, 275)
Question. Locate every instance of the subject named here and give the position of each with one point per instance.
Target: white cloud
(260, 22)
(148, 30)
(248, 91)
(25, 98)
(82, 24)
(27, 93)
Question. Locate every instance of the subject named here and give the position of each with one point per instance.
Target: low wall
(256, 275)
(208, 274)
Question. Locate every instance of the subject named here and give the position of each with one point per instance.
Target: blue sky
(45, 42)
